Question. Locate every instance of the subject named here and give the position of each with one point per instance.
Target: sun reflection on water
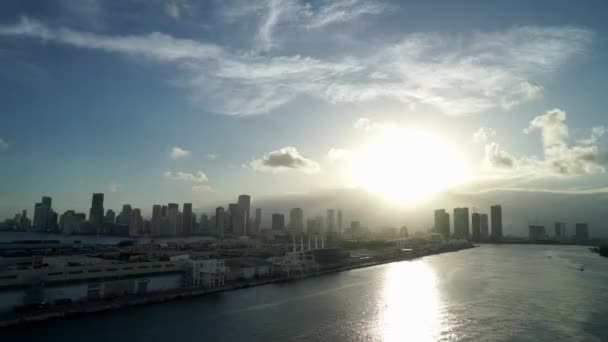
(410, 304)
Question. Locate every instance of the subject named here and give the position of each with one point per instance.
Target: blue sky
(96, 95)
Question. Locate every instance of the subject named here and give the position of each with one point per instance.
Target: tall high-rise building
(461, 223)
(560, 231)
(296, 220)
(340, 227)
(278, 222)
(233, 222)
(330, 221)
(496, 218)
(187, 219)
(219, 221)
(43, 214)
(96, 211)
(124, 217)
(581, 232)
(156, 220)
(442, 223)
(258, 219)
(244, 206)
(174, 219)
(69, 222)
(484, 232)
(476, 227)
(110, 216)
(536, 233)
(136, 225)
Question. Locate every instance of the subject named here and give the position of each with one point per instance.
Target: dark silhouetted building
(339, 222)
(156, 221)
(496, 218)
(43, 214)
(110, 216)
(124, 217)
(296, 220)
(244, 208)
(258, 219)
(484, 227)
(278, 222)
(442, 223)
(476, 227)
(461, 223)
(219, 221)
(96, 211)
(187, 219)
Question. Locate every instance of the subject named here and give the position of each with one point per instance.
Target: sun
(407, 165)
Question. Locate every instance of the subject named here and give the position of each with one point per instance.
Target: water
(490, 293)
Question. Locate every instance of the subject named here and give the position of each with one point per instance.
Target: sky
(374, 106)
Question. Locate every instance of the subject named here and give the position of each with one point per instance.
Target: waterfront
(497, 293)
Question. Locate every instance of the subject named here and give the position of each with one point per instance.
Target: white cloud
(3, 144)
(483, 134)
(212, 156)
(560, 159)
(172, 9)
(197, 177)
(201, 188)
(457, 74)
(178, 152)
(283, 159)
(595, 135)
(272, 14)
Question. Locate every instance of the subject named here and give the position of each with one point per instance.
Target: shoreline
(86, 308)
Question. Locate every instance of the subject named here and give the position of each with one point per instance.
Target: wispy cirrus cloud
(3, 144)
(196, 177)
(178, 152)
(457, 74)
(284, 159)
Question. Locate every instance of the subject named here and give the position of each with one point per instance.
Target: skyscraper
(110, 216)
(187, 219)
(476, 226)
(156, 220)
(136, 225)
(96, 211)
(258, 219)
(496, 218)
(340, 227)
(244, 205)
(278, 222)
(296, 220)
(233, 224)
(330, 221)
(124, 218)
(219, 221)
(442, 223)
(461, 223)
(43, 214)
(484, 227)
(174, 219)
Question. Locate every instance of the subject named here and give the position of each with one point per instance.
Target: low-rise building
(248, 268)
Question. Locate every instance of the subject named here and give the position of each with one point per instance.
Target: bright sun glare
(407, 165)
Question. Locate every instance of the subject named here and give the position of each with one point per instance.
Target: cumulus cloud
(483, 134)
(496, 158)
(201, 188)
(3, 144)
(283, 159)
(197, 177)
(595, 135)
(560, 158)
(458, 75)
(178, 152)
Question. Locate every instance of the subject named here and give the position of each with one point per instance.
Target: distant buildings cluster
(235, 220)
(480, 231)
(538, 233)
